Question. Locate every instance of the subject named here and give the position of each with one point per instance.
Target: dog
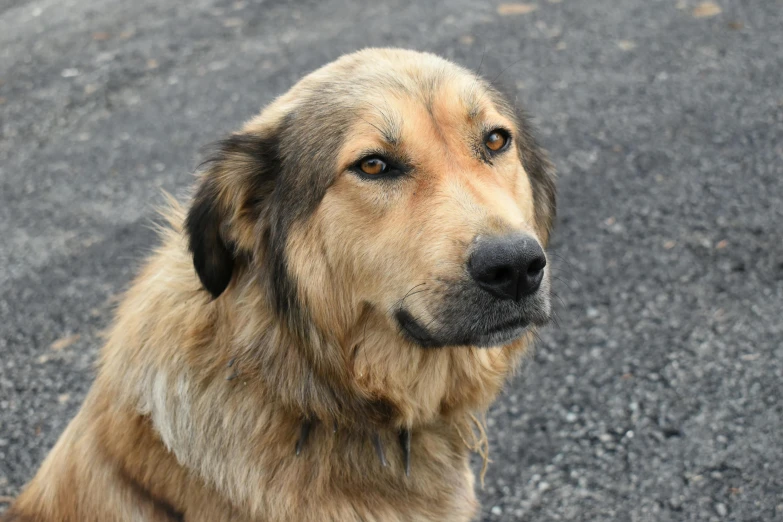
(359, 270)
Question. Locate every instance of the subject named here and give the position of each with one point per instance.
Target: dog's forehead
(412, 82)
(397, 68)
(375, 76)
(451, 110)
(385, 84)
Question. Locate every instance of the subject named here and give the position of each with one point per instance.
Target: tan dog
(369, 267)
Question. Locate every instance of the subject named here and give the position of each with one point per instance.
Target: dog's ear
(542, 177)
(221, 222)
(213, 257)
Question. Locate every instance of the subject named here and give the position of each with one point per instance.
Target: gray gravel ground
(657, 396)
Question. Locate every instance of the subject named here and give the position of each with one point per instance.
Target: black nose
(508, 267)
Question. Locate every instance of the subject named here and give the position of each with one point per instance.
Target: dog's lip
(513, 324)
(413, 329)
(499, 333)
(500, 337)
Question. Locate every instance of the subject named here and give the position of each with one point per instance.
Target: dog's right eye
(373, 166)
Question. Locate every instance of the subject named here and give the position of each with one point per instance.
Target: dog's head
(390, 183)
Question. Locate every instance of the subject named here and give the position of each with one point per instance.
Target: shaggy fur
(258, 366)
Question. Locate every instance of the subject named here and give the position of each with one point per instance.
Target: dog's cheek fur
(305, 174)
(375, 258)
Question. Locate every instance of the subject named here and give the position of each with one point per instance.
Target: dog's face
(389, 181)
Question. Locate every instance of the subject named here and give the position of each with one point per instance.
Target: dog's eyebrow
(475, 110)
(390, 126)
(472, 101)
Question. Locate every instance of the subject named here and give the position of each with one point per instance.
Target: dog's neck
(318, 391)
(374, 437)
(369, 427)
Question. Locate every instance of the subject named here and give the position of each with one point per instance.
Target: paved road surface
(658, 396)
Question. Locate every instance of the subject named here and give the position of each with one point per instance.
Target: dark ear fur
(213, 259)
(534, 159)
(239, 176)
(542, 176)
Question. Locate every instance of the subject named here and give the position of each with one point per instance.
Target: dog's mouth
(495, 335)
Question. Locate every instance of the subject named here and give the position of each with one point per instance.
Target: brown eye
(496, 140)
(373, 166)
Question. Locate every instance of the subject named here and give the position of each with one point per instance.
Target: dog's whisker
(555, 318)
(556, 296)
(483, 54)
(372, 125)
(562, 281)
(561, 271)
(399, 303)
(420, 292)
(304, 433)
(563, 259)
(496, 78)
(410, 294)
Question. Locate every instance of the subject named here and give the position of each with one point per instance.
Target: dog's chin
(498, 335)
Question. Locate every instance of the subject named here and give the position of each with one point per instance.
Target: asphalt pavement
(657, 396)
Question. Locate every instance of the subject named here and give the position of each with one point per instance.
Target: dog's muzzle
(504, 291)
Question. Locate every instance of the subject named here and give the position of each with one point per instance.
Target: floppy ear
(542, 177)
(229, 201)
(212, 256)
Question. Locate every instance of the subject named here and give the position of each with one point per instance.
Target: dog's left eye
(497, 140)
